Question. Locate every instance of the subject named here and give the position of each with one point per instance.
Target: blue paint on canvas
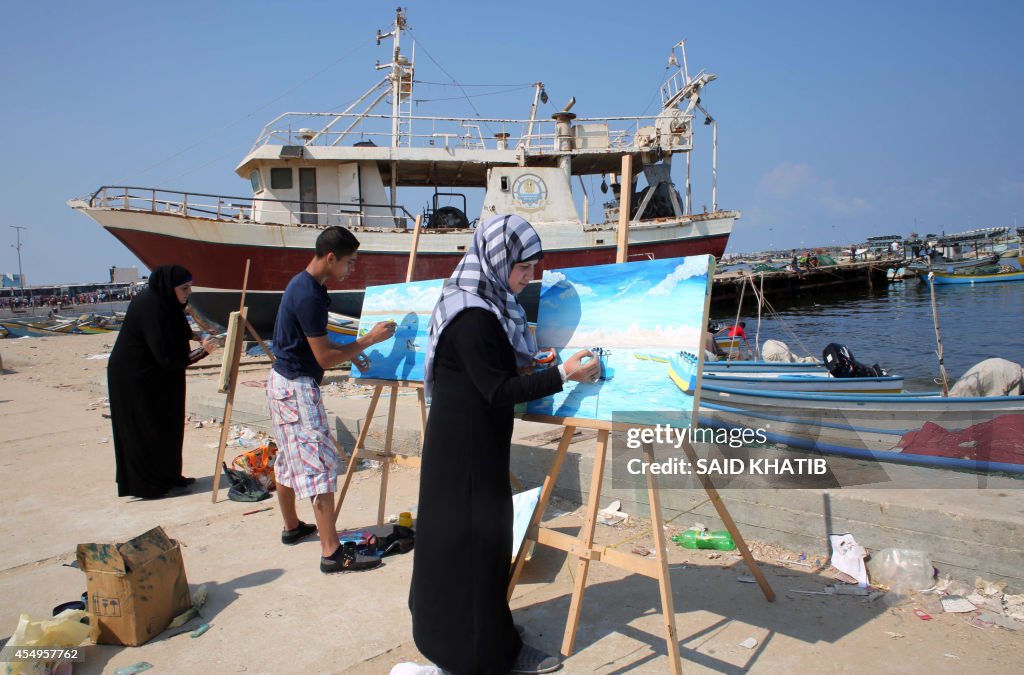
(638, 314)
(409, 305)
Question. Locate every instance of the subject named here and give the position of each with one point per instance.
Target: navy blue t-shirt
(302, 314)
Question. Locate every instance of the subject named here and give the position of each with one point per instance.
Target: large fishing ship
(308, 171)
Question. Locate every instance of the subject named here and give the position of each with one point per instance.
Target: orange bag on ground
(259, 464)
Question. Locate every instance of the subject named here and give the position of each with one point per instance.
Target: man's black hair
(336, 240)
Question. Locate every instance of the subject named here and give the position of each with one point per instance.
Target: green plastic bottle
(719, 540)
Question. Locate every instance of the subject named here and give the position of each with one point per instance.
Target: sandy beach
(270, 610)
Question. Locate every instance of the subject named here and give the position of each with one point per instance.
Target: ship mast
(680, 88)
(401, 95)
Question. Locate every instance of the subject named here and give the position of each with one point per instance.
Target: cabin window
(281, 178)
(254, 178)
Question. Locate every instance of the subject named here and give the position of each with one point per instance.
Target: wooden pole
(542, 504)
(245, 284)
(385, 464)
(625, 197)
(739, 308)
(760, 304)
(263, 345)
(938, 336)
(587, 541)
(232, 384)
(412, 251)
(229, 404)
(377, 390)
(668, 611)
(730, 525)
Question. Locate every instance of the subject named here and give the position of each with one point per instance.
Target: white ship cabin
(311, 178)
(319, 169)
(347, 168)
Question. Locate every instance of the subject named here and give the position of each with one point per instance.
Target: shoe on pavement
(297, 534)
(347, 559)
(532, 660)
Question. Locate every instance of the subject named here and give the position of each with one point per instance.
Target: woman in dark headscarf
(478, 366)
(146, 386)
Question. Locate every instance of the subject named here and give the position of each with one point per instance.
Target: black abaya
(461, 619)
(146, 388)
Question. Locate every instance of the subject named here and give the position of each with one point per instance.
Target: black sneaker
(294, 536)
(532, 660)
(347, 559)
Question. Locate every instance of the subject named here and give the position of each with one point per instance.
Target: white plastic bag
(901, 570)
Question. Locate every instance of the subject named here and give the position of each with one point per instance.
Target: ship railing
(478, 133)
(253, 210)
(674, 87)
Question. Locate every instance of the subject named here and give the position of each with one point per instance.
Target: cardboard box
(135, 588)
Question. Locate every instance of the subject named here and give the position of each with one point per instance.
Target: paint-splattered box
(135, 588)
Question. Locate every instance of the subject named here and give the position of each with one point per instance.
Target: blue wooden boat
(736, 366)
(947, 278)
(16, 329)
(925, 265)
(863, 425)
(683, 371)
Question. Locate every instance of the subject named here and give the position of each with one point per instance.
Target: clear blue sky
(836, 120)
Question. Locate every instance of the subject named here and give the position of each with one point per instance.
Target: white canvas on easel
(232, 352)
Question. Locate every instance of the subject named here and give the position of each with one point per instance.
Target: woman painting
(146, 386)
(479, 363)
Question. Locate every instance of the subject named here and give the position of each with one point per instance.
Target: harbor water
(893, 327)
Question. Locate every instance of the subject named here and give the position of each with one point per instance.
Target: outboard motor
(840, 363)
(448, 217)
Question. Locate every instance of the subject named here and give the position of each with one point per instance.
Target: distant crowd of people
(50, 301)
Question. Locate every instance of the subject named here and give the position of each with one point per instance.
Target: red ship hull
(218, 269)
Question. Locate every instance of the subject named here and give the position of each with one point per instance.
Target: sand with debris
(270, 609)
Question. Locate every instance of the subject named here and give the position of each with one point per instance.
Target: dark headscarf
(481, 280)
(163, 280)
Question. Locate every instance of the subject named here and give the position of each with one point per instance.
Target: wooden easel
(233, 352)
(585, 551)
(385, 456)
(582, 547)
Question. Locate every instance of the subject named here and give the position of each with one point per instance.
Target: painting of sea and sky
(408, 305)
(637, 314)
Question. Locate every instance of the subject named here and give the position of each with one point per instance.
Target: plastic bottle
(719, 540)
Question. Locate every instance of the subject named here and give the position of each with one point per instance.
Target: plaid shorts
(307, 461)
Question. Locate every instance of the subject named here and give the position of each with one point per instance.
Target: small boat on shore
(86, 324)
(889, 427)
(683, 371)
(763, 366)
(923, 266)
(17, 329)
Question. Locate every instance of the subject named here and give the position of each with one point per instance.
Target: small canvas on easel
(409, 305)
(637, 317)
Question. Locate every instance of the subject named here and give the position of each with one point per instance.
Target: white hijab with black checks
(481, 280)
